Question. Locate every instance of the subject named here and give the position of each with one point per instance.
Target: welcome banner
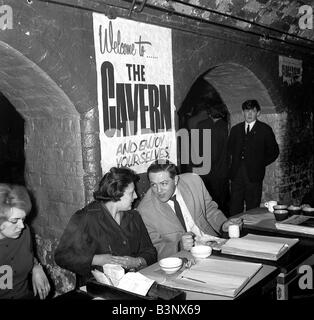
(135, 93)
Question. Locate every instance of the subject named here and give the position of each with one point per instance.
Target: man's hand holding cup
(187, 241)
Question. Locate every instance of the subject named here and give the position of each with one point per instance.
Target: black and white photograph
(157, 156)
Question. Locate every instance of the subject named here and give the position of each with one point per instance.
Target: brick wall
(54, 170)
(47, 70)
(54, 175)
(296, 161)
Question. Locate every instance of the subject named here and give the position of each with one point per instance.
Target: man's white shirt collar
(189, 222)
(251, 124)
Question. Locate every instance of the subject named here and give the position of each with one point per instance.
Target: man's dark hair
(163, 165)
(218, 110)
(113, 184)
(251, 104)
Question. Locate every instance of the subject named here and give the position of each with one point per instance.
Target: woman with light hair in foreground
(16, 249)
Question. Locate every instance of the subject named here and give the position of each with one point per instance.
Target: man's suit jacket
(262, 149)
(219, 138)
(163, 226)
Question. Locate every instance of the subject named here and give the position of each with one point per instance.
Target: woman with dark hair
(107, 230)
(17, 259)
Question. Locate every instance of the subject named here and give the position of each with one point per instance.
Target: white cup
(234, 231)
(270, 205)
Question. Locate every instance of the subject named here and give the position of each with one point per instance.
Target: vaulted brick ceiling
(282, 15)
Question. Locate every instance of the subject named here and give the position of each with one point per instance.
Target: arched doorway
(233, 84)
(53, 150)
(12, 159)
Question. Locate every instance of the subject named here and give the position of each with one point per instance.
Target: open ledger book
(255, 246)
(297, 223)
(216, 276)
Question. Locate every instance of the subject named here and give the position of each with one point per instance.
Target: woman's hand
(40, 282)
(101, 259)
(128, 262)
(123, 261)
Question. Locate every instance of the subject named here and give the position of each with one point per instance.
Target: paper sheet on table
(214, 279)
(216, 276)
(135, 282)
(296, 223)
(233, 267)
(261, 247)
(255, 245)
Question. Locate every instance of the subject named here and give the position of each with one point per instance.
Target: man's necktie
(247, 129)
(178, 211)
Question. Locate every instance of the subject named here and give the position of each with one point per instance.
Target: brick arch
(53, 149)
(235, 84)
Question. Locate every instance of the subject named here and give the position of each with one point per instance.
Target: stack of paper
(297, 223)
(216, 276)
(262, 247)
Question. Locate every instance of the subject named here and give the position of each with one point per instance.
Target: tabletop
(254, 287)
(261, 221)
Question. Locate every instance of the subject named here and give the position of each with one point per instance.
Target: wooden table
(261, 283)
(267, 225)
(289, 264)
(273, 274)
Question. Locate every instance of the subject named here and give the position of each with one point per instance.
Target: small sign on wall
(290, 70)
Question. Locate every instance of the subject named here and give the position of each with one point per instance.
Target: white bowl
(201, 252)
(308, 211)
(170, 265)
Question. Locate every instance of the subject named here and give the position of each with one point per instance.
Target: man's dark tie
(247, 129)
(178, 211)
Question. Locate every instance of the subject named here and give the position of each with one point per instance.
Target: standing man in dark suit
(252, 146)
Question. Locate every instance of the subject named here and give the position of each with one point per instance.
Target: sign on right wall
(290, 70)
